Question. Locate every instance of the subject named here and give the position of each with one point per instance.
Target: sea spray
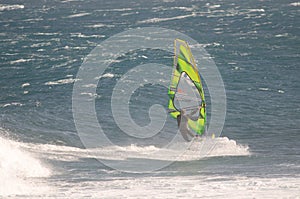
(19, 169)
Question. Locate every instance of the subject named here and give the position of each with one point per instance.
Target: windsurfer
(182, 121)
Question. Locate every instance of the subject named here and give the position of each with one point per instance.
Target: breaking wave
(197, 150)
(19, 170)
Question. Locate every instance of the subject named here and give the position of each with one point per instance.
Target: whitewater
(26, 173)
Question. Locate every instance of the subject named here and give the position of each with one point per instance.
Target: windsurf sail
(186, 91)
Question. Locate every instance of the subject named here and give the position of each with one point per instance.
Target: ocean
(70, 128)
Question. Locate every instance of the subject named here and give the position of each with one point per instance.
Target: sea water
(255, 46)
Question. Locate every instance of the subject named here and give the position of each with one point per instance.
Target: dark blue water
(254, 44)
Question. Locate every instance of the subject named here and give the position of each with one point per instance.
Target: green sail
(186, 91)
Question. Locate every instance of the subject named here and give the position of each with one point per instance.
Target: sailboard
(186, 91)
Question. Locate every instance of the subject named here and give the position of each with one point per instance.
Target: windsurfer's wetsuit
(182, 121)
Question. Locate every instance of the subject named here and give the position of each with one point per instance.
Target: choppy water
(255, 46)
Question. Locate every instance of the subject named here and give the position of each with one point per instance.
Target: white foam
(42, 44)
(55, 152)
(20, 61)
(12, 104)
(61, 81)
(214, 44)
(109, 75)
(18, 170)
(188, 186)
(46, 33)
(263, 89)
(214, 6)
(255, 10)
(160, 186)
(282, 35)
(154, 186)
(295, 4)
(99, 25)
(199, 149)
(161, 8)
(90, 86)
(25, 84)
(120, 9)
(65, 64)
(78, 15)
(221, 146)
(10, 7)
(80, 35)
(92, 95)
(156, 20)
(106, 75)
